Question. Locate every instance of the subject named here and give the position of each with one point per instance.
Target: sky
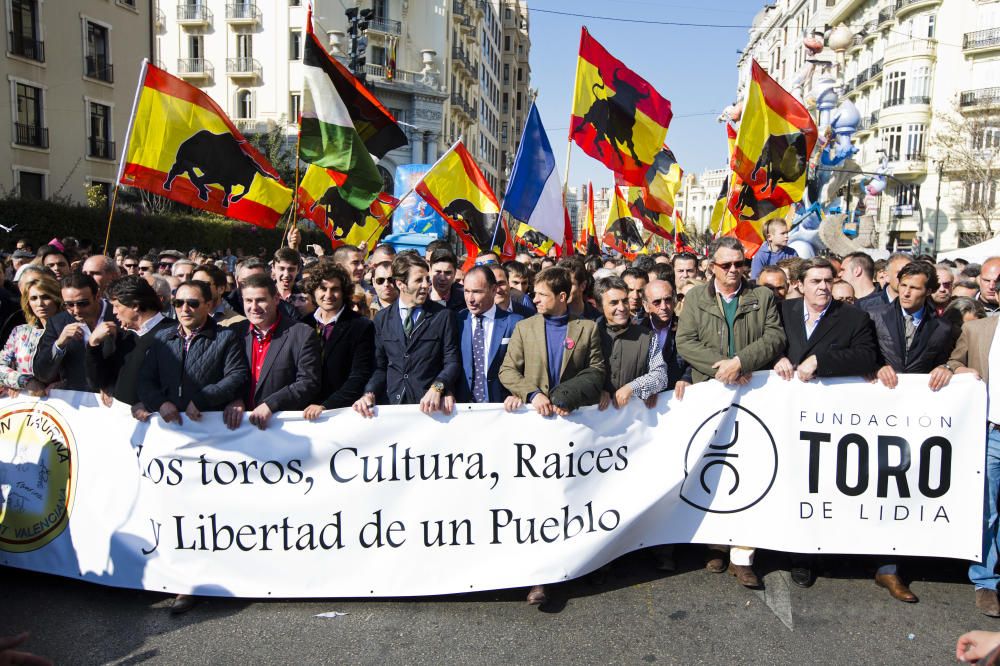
(693, 67)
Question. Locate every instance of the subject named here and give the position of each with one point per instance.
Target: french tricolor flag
(534, 194)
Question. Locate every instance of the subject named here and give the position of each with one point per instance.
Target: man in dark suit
(283, 355)
(826, 338)
(911, 339)
(485, 334)
(416, 346)
(444, 288)
(114, 368)
(347, 340)
(62, 350)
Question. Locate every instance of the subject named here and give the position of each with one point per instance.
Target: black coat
(843, 341)
(348, 360)
(211, 373)
(932, 343)
(117, 372)
(71, 365)
(289, 378)
(406, 368)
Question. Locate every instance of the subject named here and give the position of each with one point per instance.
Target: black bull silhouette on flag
(782, 159)
(216, 159)
(340, 215)
(613, 117)
(475, 223)
(625, 232)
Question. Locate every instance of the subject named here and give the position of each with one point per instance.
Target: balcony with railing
(982, 40)
(192, 13)
(875, 69)
(983, 97)
(159, 18)
(26, 47)
(195, 68)
(31, 135)
(242, 13)
(98, 67)
(911, 48)
(247, 125)
(101, 148)
(385, 26)
(379, 72)
(904, 7)
(457, 102)
(868, 124)
(243, 68)
(885, 17)
(459, 55)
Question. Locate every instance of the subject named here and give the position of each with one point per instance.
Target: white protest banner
(408, 504)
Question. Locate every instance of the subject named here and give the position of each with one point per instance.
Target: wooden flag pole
(121, 161)
(293, 212)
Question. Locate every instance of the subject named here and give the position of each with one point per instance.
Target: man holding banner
(727, 330)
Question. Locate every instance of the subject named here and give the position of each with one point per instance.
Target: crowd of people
(179, 334)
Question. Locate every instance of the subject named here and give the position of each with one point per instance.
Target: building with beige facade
(71, 71)
(923, 74)
(435, 64)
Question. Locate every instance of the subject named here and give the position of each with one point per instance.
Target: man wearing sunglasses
(62, 350)
(194, 367)
(727, 330)
(385, 288)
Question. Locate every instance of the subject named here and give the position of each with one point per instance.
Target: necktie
(408, 323)
(909, 330)
(328, 330)
(478, 361)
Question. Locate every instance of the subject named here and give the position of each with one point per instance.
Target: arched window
(244, 104)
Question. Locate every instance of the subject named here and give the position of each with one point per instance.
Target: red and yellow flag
(652, 221)
(618, 117)
(623, 232)
(533, 240)
(771, 155)
(588, 243)
(183, 146)
(663, 182)
(320, 201)
(458, 191)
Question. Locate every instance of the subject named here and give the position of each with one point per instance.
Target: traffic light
(357, 25)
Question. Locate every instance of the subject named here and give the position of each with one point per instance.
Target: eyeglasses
(947, 285)
(380, 280)
(127, 266)
(192, 303)
(143, 269)
(166, 264)
(69, 305)
(727, 266)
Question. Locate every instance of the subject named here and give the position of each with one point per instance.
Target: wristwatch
(438, 386)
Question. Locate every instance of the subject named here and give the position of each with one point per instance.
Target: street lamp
(937, 203)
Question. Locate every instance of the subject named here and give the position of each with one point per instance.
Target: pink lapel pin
(569, 343)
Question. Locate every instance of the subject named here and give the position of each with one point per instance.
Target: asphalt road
(635, 615)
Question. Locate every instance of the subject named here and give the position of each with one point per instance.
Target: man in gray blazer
(283, 355)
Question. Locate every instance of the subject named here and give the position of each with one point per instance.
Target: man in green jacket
(727, 330)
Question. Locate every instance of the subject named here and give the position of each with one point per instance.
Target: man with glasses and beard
(62, 350)
(727, 330)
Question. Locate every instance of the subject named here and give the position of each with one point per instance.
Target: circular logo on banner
(737, 468)
(37, 457)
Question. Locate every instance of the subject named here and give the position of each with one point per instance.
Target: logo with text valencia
(731, 462)
(37, 476)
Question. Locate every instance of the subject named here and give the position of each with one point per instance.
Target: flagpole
(294, 211)
(128, 138)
